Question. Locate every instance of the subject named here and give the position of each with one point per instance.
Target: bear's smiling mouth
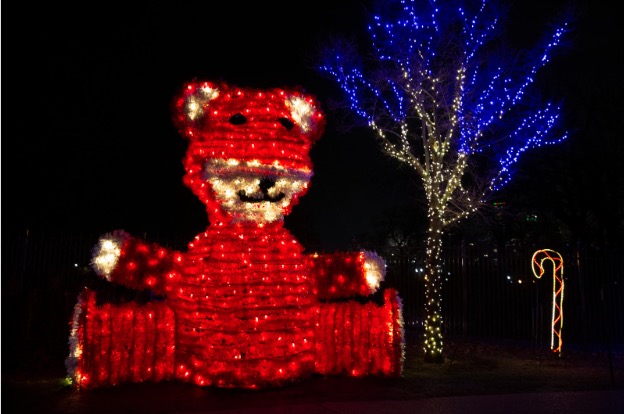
(265, 185)
(265, 197)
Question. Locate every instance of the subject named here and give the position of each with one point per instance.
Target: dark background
(89, 144)
(89, 147)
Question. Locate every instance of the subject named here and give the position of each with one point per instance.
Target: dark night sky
(88, 138)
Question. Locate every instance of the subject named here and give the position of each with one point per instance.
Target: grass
(471, 367)
(474, 367)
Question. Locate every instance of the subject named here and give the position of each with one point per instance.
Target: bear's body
(244, 306)
(244, 301)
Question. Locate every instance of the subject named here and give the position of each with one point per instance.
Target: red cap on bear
(273, 127)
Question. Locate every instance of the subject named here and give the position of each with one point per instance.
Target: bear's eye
(238, 119)
(287, 123)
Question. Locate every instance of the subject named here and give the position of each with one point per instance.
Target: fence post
(464, 284)
(581, 280)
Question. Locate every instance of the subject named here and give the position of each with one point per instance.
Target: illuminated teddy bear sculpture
(244, 306)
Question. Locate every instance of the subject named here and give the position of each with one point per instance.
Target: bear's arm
(125, 260)
(341, 275)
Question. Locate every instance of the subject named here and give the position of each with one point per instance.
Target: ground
(472, 367)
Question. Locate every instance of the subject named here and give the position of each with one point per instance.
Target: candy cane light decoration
(539, 257)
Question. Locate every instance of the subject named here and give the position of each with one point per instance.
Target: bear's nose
(265, 184)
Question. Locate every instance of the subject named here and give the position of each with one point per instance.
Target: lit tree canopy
(444, 97)
(439, 94)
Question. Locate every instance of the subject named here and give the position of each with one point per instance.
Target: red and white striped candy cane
(557, 310)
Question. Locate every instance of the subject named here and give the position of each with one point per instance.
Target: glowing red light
(244, 306)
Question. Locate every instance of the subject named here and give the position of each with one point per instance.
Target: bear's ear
(307, 115)
(191, 105)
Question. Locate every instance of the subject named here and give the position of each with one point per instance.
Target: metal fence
(488, 291)
(43, 271)
(491, 291)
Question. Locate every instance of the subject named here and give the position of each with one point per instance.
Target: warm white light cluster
(229, 178)
(301, 112)
(375, 268)
(107, 253)
(195, 103)
(75, 345)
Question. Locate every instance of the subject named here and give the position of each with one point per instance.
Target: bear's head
(248, 155)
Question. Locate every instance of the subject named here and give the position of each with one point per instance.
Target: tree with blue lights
(444, 98)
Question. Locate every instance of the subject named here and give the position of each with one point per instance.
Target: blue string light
(411, 41)
(436, 96)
